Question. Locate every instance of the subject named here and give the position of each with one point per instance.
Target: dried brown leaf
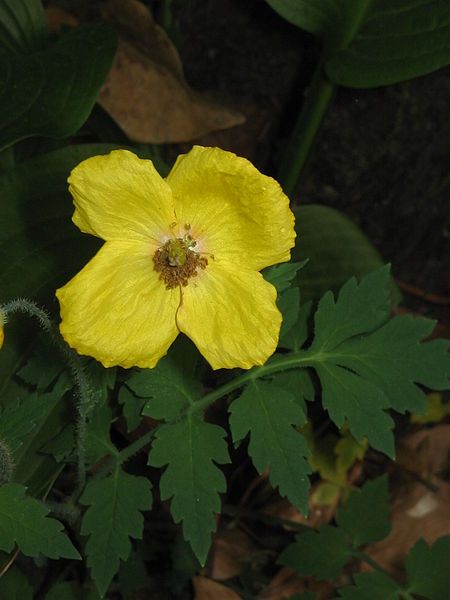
(146, 93)
(207, 589)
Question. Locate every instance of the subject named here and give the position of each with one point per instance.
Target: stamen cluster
(177, 263)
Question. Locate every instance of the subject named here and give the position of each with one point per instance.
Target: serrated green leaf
(98, 440)
(23, 521)
(23, 25)
(336, 247)
(365, 516)
(41, 91)
(298, 333)
(171, 385)
(268, 413)
(131, 407)
(359, 308)
(281, 275)
(371, 586)
(289, 305)
(427, 569)
(71, 591)
(114, 515)
(322, 554)
(15, 586)
(394, 358)
(191, 479)
(398, 40)
(298, 383)
(367, 364)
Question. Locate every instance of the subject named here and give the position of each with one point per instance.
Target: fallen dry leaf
(286, 583)
(427, 451)
(231, 550)
(145, 92)
(416, 513)
(207, 589)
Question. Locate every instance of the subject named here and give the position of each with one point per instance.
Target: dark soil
(383, 155)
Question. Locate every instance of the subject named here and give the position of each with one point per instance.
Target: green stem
(368, 560)
(316, 103)
(319, 96)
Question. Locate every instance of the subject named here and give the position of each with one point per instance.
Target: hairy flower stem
(84, 398)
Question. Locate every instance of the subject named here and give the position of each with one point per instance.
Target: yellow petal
(120, 196)
(117, 310)
(231, 316)
(234, 211)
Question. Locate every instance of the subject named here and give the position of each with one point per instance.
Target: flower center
(176, 262)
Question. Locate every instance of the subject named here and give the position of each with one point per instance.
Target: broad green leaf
(322, 554)
(398, 40)
(43, 367)
(114, 515)
(281, 276)
(365, 516)
(24, 415)
(427, 569)
(40, 250)
(371, 586)
(41, 89)
(337, 250)
(192, 480)
(367, 364)
(298, 383)
(15, 586)
(23, 522)
(316, 16)
(268, 413)
(22, 25)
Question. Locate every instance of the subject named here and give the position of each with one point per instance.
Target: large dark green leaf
(399, 40)
(337, 249)
(22, 25)
(51, 92)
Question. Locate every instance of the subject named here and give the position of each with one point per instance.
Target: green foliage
(337, 250)
(371, 43)
(397, 41)
(42, 83)
(371, 586)
(15, 586)
(114, 515)
(316, 16)
(188, 447)
(71, 591)
(23, 522)
(367, 363)
(362, 525)
(268, 413)
(427, 569)
(282, 275)
(324, 553)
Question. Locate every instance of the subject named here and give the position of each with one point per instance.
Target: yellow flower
(2, 322)
(182, 254)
